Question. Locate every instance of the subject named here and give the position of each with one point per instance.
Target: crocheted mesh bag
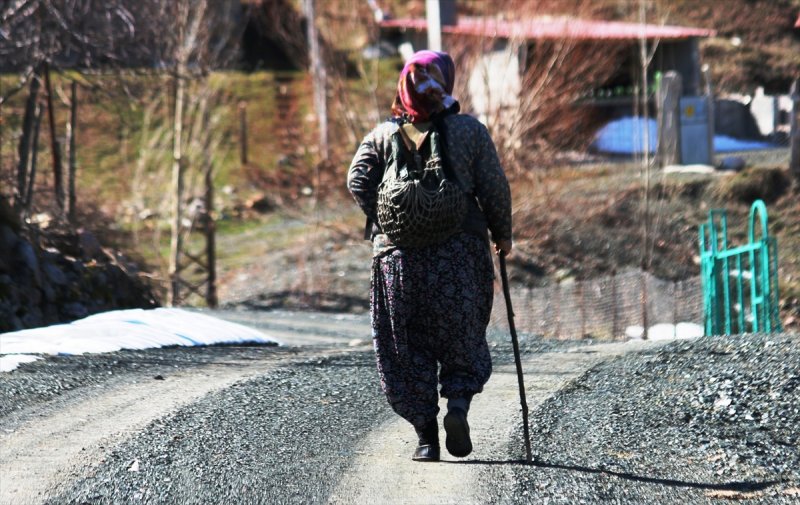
(418, 205)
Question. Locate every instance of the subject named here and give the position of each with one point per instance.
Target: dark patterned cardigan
(474, 160)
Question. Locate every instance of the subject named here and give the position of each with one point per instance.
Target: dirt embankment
(574, 223)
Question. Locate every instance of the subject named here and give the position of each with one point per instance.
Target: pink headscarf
(424, 86)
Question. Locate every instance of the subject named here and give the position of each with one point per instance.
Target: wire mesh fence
(602, 308)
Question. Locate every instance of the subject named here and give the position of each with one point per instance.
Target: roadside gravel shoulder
(54, 382)
(693, 422)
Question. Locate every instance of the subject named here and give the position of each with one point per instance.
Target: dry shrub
(541, 116)
(767, 54)
(765, 183)
(692, 188)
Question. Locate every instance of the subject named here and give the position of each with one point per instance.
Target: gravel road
(638, 422)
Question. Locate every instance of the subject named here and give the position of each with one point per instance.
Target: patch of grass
(110, 131)
(765, 183)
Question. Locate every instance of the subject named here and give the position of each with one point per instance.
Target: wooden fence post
(211, 230)
(675, 299)
(24, 146)
(582, 298)
(34, 155)
(712, 105)
(243, 132)
(71, 157)
(644, 300)
(557, 309)
(615, 308)
(58, 171)
(794, 136)
(176, 238)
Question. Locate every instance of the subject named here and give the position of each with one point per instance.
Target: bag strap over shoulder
(441, 145)
(411, 147)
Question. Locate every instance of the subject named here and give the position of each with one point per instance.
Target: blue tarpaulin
(626, 136)
(723, 143)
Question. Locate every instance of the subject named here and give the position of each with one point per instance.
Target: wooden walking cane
(517, 361)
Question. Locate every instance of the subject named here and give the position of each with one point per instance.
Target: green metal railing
(740, 284)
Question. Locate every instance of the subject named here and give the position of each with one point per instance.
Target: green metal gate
(740, 285)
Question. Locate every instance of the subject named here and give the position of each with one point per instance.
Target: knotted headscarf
(424, 86)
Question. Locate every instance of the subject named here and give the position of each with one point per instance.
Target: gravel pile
(693, 422)
(58, 377)
(285, 437)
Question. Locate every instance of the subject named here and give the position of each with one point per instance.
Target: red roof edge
(554, 28)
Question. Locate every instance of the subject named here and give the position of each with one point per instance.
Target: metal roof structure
(555, 28)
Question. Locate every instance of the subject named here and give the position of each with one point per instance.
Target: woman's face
(428, 81)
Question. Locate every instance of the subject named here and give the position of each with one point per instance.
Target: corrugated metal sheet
(556, 28)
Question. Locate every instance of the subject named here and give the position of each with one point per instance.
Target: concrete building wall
(494, 82)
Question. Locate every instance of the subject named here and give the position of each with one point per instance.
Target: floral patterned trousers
(430, 308)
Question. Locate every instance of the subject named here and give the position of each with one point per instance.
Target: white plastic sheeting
(12, 361)
(666, 331)
(124, 329)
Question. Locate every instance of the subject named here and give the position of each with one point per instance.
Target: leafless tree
(196, 37)
(351, 26)
(73, 33)
(170, 47)
(40, 36)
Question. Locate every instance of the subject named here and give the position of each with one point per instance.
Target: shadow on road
(740, 486)
(334, 303)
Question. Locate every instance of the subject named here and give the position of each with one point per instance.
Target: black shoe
(426, 452)
(428, 447)
(458, 442)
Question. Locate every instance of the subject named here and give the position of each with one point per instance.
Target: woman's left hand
(503, 247)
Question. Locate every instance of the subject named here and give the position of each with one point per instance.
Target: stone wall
(43, 285)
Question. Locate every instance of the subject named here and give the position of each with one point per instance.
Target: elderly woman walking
(431, 185)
